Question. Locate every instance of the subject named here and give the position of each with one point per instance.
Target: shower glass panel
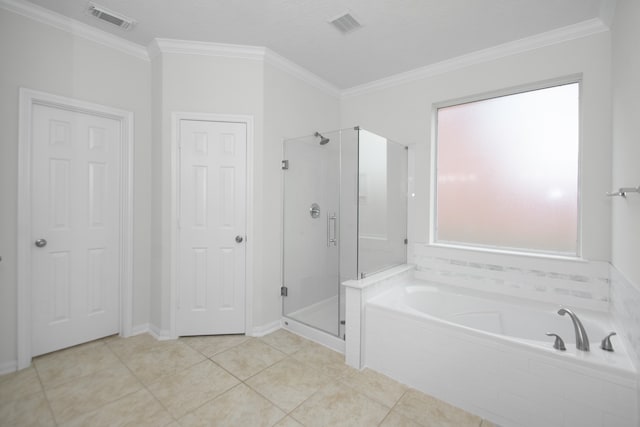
(317, 215)
(382, 199)
(344, 217)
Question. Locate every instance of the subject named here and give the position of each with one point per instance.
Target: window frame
(433, 186)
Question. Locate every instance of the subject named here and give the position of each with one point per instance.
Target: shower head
(323, 140)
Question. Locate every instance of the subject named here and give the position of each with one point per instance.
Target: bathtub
(489, 355)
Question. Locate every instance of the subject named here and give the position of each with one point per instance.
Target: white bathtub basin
(489, 354)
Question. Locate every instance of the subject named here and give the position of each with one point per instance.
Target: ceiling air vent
(345, 23)
(111, 17)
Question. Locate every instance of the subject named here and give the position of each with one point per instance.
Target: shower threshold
(299, 323)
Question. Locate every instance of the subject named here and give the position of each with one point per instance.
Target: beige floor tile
(240, 406)
(90, 392)
(339, 405)
(285, 341)
(214, 344)
(75, 362)
(376, 386)
(248, 358)
(393, 419)
(288, 422)
(126, 347)
(288, 383)
(30, 410)
(159, 361)
(429, 411)
(17, 385)
(138, 409)
(186, 390)
(329, 362)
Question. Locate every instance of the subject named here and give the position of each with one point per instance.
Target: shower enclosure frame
(304, 274)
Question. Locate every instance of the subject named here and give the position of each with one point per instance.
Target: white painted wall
(292, 108)
(40, 57)
(200, 84)
(626, 138)
(404, 113)
(281, 106)
(625, 232)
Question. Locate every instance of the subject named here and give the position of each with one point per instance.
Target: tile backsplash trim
(579, 284)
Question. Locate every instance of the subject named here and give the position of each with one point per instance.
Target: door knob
(239, 239)
(41, 243)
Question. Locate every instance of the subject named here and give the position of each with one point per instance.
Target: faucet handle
(606, 342)
(558, 344)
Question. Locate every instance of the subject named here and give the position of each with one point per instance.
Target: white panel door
(75, 223)
(212, 224)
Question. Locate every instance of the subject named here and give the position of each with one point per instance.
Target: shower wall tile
(625, 310)
(575, 283)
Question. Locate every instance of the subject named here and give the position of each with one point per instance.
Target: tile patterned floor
(277, 380)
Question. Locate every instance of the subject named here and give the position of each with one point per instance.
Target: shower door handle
(331, 224)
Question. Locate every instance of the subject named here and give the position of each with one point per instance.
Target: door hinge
(285, 165)
(284, 291)
(406, 241)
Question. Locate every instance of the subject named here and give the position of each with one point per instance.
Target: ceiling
(396, 35)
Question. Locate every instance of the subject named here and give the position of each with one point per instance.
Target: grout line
(226, 370)
(396, 404)
(341, 380)
(69, 350)
(72, 350)
(248, 338)
(144, 386)
(44, 393)
(211, 400)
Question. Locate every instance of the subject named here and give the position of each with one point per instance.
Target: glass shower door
(311, 227)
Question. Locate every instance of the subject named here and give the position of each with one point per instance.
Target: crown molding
(564, 34)
(295, 70)
(72, 26)
(190, 47)
(257, 53)
(159, 45)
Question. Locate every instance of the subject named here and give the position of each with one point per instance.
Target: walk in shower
(344, 217)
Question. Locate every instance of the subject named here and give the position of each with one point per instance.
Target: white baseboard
(8, 367)
(260, 331)
(140, 329)
(159, 334)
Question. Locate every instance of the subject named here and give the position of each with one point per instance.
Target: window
(507, 172)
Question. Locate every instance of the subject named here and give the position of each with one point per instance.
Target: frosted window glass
(507, 171)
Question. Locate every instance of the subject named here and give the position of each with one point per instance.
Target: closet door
(212, 227)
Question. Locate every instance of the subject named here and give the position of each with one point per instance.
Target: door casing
(176, 117)
(29, 98)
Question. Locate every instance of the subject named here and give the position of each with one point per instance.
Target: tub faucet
(582, 341)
